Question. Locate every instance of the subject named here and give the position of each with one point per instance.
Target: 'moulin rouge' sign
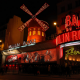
(69, 35)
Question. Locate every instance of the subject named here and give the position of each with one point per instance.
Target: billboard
(36, 56)
(72, 53)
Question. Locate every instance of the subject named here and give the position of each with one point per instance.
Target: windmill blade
(42, 8)
(24, 25)
(24, 8)
(44, 26)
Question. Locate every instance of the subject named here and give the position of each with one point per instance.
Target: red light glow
(67, 37)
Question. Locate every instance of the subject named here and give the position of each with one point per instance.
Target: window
(34, 32)
(69, 6)
(42, 33)
(30, 33)
(77, 3)
(62, 9)
(38, 32)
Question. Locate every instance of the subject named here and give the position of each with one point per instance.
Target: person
(49, 69)
(2, 69)
(35, 69)
(67, 71)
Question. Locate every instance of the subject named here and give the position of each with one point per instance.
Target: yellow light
(0, 40)
(34, 32)
(30, 33)
(38, 32)
(55, 23)
(42, 33)
(73, 59)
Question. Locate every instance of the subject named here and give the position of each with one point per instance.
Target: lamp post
(55, 24)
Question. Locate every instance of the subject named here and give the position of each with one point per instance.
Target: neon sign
(69, 24)
(67, 37)
(25, 43)
(71, 35)
(72, 52)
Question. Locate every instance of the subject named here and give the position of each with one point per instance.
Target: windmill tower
(36, 27)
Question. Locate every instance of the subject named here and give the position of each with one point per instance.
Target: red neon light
(6, 65)
(68, 20)
(67, 37)
(24, 8)
(75, 36)
(74, 20)
(61, 52)
(79, 34)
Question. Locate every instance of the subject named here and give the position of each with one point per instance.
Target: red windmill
(41, 27)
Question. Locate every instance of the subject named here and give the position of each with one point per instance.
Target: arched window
(34, 32)
(38, 32)
(30, 33)
(42, 33)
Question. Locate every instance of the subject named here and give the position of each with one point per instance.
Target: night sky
(8, 8)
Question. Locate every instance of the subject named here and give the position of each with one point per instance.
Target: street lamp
(0, 40)
(55, 23)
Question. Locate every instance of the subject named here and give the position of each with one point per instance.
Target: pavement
(72, 77)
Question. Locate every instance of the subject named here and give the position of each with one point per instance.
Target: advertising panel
(36, 56)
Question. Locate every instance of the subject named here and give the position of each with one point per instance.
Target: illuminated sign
(67, 37)
(36, 56)
(71, 35)
(25, 43)
(12, 58)
(71, 52)
(71, 22)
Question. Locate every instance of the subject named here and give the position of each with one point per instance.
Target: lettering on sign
(67, 37)
(24, 43)
(69, 22)
(71, 52)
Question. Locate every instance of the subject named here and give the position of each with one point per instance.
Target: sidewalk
(73, 76)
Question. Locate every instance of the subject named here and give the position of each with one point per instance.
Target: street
(22, 76)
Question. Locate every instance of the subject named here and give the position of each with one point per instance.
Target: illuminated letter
(63, 37)
(74, 21)
(71, 53)
(34, 40)
(79, 34)
(67, 53)
(18, 44)
(67, 37)
(74, 35)
(67, 21)
(24, 43)
(57, 39)
(10, 46)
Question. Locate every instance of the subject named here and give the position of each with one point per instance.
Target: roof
(49, 44)
(39, 46)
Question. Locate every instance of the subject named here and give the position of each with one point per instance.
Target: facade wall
(63, 11)
(13, 35)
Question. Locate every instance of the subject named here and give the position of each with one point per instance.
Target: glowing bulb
(55, 23)
(0, 40)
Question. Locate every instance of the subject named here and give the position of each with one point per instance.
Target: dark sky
(8, 8)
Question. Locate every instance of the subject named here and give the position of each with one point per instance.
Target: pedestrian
(49, 69)
(67, 71)
(2, 69)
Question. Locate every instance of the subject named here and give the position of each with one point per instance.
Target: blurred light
(55, 23)
(0, 40)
